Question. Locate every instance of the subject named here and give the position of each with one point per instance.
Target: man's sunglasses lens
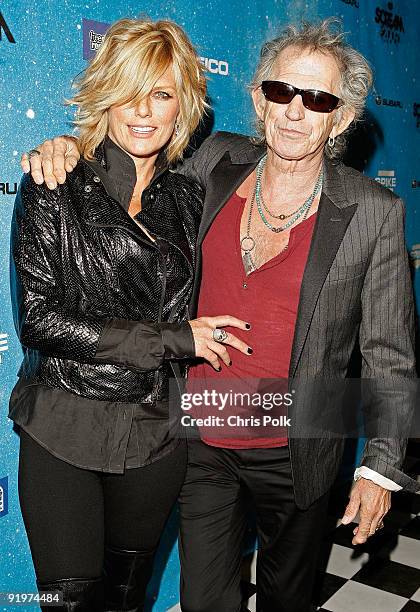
(275, 91)
(283, 93)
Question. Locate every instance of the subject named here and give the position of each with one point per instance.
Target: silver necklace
(247, 247)
(302, 210)
(248, 242)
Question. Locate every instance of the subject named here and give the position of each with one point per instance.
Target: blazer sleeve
(388, 355)
(198, 166)
(43, 320)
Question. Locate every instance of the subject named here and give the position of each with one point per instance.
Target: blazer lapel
(334, 215)
(223, 181)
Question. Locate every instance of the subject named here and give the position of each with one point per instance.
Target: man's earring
(331, 141)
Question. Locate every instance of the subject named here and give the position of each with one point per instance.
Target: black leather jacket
(100, 308)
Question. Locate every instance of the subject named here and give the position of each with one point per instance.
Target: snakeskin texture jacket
(100, 308)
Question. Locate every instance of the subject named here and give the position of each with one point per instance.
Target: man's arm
(386, 341)
(382, 481)
(51, 160)
(198, 166)
(388, 352)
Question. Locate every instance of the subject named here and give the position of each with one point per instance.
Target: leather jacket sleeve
(43, 320)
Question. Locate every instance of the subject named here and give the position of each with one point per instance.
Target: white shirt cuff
(382, 481)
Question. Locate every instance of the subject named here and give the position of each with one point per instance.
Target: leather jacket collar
(117, 171)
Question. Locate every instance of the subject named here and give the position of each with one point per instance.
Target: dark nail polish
(218, 369)
(250, 351)
(230, 363)
(247, 325)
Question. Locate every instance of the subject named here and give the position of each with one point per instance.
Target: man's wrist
(384, 482)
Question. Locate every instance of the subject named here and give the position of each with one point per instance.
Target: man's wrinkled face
(292, 131)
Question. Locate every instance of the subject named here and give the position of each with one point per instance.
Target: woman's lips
(142, 131)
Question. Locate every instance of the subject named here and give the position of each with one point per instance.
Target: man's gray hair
(324, 37)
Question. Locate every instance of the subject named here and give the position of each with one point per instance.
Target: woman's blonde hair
(133, 56)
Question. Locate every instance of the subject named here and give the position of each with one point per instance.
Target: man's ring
(33, 153)
(380, 526)
(219, 335)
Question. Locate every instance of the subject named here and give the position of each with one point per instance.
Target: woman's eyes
(161, 95)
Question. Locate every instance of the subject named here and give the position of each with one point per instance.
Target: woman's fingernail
(249, 351)
(247, 325)
(230, 363)
(219, 369)
(50, 185)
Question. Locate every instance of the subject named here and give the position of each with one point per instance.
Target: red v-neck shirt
(267, 299)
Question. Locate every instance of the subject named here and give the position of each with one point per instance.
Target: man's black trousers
(214, 500)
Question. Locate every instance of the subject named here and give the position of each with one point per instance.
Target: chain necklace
(248, 242)
(282, 216)
(246, 257)
(302, 210)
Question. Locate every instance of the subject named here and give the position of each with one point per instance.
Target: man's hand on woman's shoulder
(51, 160)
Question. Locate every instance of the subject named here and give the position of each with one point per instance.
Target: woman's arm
(45, 323)
(42, 319)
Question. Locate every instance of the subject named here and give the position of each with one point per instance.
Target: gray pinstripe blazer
(356, 286)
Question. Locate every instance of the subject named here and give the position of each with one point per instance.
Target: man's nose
(295, 109)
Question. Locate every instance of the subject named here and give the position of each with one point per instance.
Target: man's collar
(333, 186)
(251, 153)
(248, 153)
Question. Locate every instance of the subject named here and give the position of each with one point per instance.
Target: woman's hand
(210, 350)
(56, 157)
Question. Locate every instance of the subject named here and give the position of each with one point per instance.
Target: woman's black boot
(76, 594)
(127, 573)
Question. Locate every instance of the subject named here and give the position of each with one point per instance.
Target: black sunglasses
(313, 99)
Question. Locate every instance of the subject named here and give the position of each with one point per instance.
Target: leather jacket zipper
(162, 257)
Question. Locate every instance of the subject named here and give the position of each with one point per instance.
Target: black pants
(213, 502)
(70, 514)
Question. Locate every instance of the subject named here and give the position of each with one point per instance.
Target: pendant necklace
(248, 242)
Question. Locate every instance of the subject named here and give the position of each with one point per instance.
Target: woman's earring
(331, 141)
(176, 129)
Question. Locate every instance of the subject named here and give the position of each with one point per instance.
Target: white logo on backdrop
(3, 345)
(216, 66)
(387, 178)
(415, 255)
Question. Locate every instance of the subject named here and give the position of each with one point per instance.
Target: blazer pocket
(339, 273)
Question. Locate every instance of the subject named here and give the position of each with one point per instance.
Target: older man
(312, 254)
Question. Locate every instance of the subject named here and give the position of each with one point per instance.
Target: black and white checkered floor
(384, 574)
(381, 576)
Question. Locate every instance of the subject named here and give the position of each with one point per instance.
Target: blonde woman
(102, 271)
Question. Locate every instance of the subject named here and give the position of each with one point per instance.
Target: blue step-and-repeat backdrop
(44, 44)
